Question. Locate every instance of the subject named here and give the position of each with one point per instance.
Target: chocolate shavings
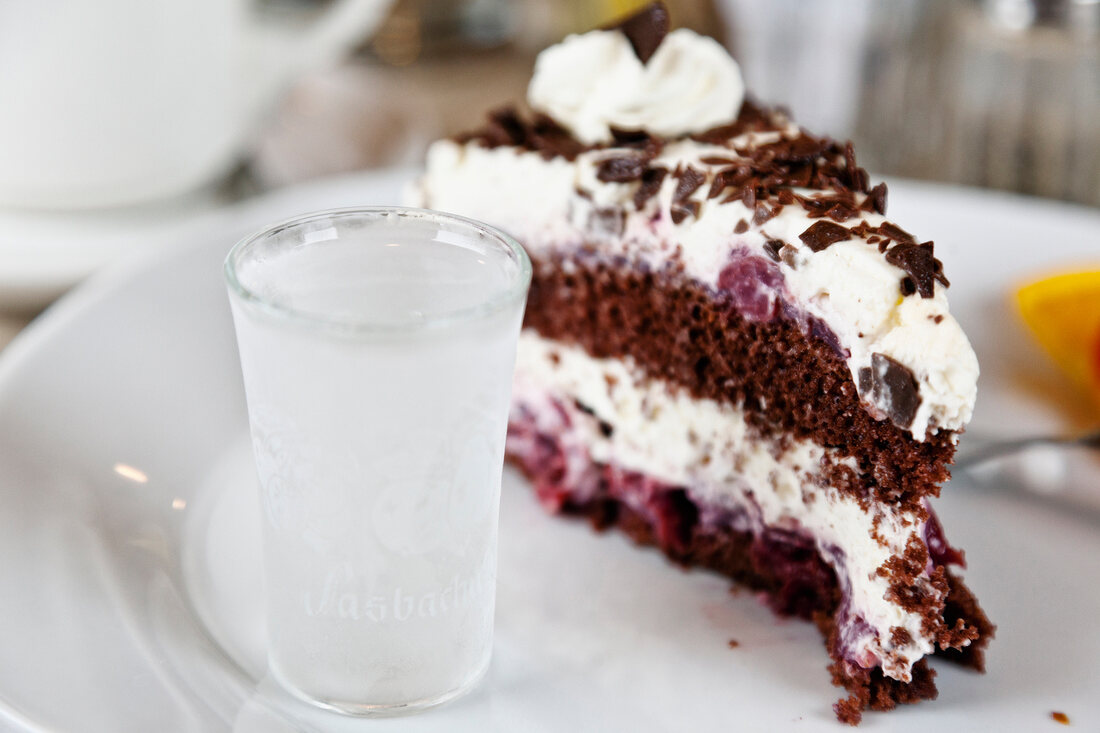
(506, 127)
(689, 182)
(763, 213)
(649, 145)
(893, 231)
(919, 261)
(877, 199)
(652, 179)
(621, 169)
(821, 234)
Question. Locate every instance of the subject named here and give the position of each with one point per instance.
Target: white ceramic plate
(129, 573)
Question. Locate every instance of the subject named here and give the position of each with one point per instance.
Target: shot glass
(377, 347)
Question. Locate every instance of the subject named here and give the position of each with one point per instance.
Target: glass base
(384, 710)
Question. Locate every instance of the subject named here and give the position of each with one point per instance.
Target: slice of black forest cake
(729, 352)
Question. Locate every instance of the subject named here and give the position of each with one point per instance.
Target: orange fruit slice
(1063, 313)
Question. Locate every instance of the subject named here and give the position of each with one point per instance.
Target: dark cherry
(675, 515)
(939, 551)
(753, 284)
(803, 582)
(819, 330)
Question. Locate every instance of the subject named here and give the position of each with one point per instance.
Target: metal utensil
(971, 456)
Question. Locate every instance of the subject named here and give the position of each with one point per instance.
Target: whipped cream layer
(556, 205)
(659, 430)
(689, 85)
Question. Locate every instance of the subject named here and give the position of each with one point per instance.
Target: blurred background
(994, 93)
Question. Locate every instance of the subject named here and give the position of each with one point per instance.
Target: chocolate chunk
(553, 140)
(742, 227)
(505, 127)
(621, 169)
(893, 231)
(840, 211)
(689, 183)
(681, 211)
(640, 140)
(802, 149)
(763, 213)
(892, 388)
(645, 29)
(921, 266)
(854, 178)
(652, 179)
(629, 138)
(789, 255)
(772, 247)
(727, 177)
(821, 234)
(877, 199)
(716, 160)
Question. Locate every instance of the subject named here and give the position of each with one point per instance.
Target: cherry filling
(753, 284)
(755, 287)
(805, 583)
(797, 578)
(940, 553)
(783, 563)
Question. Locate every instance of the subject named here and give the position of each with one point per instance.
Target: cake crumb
(734, 643)
(1059, 717)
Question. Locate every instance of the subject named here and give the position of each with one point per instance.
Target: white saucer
(129, 587)
(44, 253)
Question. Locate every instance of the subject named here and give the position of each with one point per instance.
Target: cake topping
(645, 29)
(506, 127)
(621, 169)
(892, 388)
(689, 182)
(923, 269)
(750, 179)
(878, 198)
(650, 185)
(593, 82)
(823, 233)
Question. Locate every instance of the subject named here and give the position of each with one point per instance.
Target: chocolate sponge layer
(784, 372)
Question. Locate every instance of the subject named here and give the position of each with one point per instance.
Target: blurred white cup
(118, 102)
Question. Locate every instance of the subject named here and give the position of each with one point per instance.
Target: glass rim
(516, 289)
